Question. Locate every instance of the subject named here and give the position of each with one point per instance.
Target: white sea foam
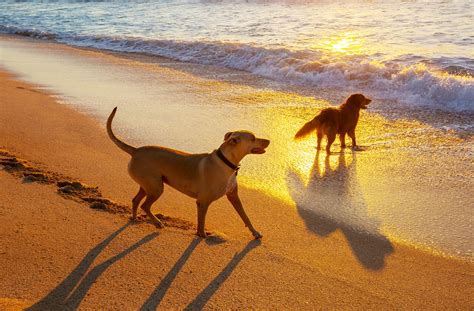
(417, 58)
(412, 83)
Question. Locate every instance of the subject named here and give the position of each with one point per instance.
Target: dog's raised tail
(125, 147)
(307, 128)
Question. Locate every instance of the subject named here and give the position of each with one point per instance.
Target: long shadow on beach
(333, 200)
(155, 298)
(153, 302)
(202, 298)
(72, 290)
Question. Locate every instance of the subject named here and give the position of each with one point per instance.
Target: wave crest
(412, 84)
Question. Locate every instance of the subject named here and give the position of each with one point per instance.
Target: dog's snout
(265, 143)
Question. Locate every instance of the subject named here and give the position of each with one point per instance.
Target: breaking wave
(420, 83)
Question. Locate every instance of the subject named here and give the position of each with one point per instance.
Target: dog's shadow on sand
(69, 294)
(72, 290)
(331, 200)
(154, 300)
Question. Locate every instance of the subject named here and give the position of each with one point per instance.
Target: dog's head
(241, 143)
(358, 101)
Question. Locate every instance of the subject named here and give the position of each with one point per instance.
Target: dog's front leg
(233, 197)
(352, 135)
(201, 212)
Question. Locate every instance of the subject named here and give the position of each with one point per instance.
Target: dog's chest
(231, 183)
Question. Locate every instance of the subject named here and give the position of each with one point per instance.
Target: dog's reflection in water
(332, 200)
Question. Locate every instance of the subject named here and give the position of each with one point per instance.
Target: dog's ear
(234, 140)
(355, 99)
(227, 135)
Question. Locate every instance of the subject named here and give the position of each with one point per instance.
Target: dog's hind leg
(152, 194)
(331, 139)
(136, 201)
(320, 138)
(342, 138)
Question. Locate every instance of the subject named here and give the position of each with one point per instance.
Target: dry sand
(58, 253)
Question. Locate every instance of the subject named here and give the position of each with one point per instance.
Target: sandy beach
(56, 252)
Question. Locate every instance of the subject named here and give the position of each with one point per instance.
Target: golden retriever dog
(332, 121)
(205, 177)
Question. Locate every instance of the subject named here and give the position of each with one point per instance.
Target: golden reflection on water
(279, 124)
(333, 163)
(349, 43)
(381, 191)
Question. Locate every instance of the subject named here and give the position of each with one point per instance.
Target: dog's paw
(202, 234)
(133, 220)
(257, 235)
(358, 148)
(159, 225)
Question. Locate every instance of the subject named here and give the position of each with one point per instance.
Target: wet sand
(60, 252)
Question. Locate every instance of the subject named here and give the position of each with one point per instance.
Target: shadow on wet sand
(331, 200)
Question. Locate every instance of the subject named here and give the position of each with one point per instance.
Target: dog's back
(328, 120)
(332, 121)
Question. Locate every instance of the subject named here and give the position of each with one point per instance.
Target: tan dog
(205, 177)
(332, 121)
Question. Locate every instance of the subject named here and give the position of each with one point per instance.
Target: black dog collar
(226, 161)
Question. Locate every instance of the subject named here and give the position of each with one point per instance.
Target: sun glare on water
(349, 43)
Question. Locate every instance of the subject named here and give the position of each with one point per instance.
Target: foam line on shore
(412, 84)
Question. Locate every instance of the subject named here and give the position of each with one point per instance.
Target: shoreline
(439, 118)
(57, 138)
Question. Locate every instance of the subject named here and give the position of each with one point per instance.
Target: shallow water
(411, 184)
(418, 53)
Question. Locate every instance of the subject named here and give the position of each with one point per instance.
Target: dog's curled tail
(307, 128)
(125, 147)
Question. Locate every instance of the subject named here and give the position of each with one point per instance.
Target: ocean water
(418, 53)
